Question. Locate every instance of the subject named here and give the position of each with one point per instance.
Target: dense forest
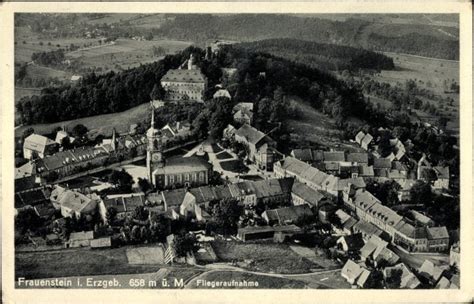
(321, 55)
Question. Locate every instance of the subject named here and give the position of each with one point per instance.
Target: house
(366, 141)
(306, 174)
(404, 192)
(455, 255)
(45, 210)
(61, 135)
(442, 178)
(376, 251)
(430, 272)
(358, 157)
(104, 242)
(302, 194)
(222, 93)
(438, 239)
(184, 84)
(265, 232)
(444, 283)
(37, 145)
(420, 218)
(350, 243)
(287, 215)
(305, 155)
(346, 221)
(359, 137)
(124, 204)
(355, 274)
(366, 171)
(178, 128)
(261, 146)
(229, 131)
(382, 163)
(190, 209)
(73, 203)
(367, 229)
(79, 239)
(407, 279)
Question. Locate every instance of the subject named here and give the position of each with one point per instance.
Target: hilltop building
(37, 145)
(185, 84)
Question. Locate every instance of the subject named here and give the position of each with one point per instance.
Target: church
(185, 83)
(174, 172)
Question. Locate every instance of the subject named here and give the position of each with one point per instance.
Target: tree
(111, 214)
(226, 215)
(121, 179)
(27, 220)
(395, 278)
(79, 130)
(157, 93)
(144, 185)
(149, 36)
(27, 133)
(184, 243)
(140, 213)
(420, 193)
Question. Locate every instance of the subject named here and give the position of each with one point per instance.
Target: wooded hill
(321, 55)
(421, 40)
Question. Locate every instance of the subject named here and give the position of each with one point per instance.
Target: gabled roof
(353, 241)
(430, 271)
(307, 193)
(357, 157)
(222, 93)
(176, 165)
(380, 163)
(356, 182)
(26, 183)
(408, 279)
(367, 139)
(359, 137)
(182, 75)
(355, 273)
(334, 156)
(79, 236)
(366, 171)
(441, 172)
(76, 201)
(38, 143)
(373, 247)
(302, 154)
(288, 214)
(251, 134)
(367, 228)
(435, 233)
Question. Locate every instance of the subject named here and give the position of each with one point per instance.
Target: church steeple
(114, 140)
(154, 147)
(152, 115)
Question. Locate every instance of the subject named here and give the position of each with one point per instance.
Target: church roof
(183, 165)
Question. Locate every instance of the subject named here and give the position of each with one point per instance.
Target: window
(171, 179)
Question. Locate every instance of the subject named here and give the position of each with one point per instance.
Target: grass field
(23, 92)
(263, 281)
(126, 53)
(312, 127)
(235, 165)
(223, 155)
(102, 124)
(265, 257)
(76, 262)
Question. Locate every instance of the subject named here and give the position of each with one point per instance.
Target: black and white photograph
(237, 151)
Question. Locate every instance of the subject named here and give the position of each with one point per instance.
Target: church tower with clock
(154, 156)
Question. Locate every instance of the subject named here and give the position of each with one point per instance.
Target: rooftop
(184, 75)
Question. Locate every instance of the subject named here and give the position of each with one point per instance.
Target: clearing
(102, 124)
(76, 262)
(265, 257)
(312, 127)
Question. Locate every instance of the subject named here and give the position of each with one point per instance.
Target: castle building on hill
(185, 83)
(174, 172)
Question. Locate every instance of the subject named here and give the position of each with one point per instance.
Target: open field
(314, 128)
(76, 262)
(262, 280)
(266, 257)
(125, 53)
(23, 92)
(429, 73)
(102, 124)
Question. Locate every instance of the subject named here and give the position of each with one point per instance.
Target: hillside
(320, 55)
(426, 40)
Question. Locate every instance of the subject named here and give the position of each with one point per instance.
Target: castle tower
(192, 62)
(154, 157)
